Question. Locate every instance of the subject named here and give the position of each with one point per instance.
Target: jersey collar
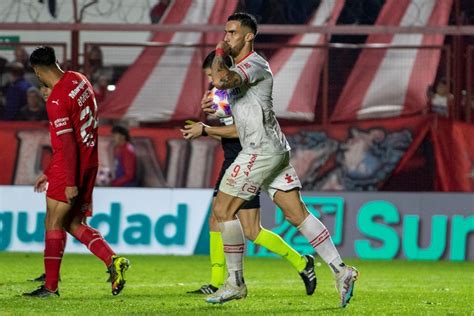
(245, 57)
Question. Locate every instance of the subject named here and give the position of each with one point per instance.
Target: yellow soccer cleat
(117, 273)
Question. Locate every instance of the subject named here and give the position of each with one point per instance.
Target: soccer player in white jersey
(263, 163)
(249, 213)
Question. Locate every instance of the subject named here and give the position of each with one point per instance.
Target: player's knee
(52, 223)
(71, 228)
(73, 224)
(219, 212)
(251, 233)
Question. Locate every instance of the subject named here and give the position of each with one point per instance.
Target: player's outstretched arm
(222, 76)
(200, 129)
(194, 130)
(228, 131)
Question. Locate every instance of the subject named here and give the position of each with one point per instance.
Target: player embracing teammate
(70, 177)
(263, 163)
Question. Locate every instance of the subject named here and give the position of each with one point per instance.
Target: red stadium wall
(404, 154)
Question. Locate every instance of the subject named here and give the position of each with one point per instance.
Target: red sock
(93, 240)
(55, 242)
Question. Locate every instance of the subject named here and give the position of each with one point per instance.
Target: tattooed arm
(222, 76)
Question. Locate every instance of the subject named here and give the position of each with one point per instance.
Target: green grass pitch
(158, 285)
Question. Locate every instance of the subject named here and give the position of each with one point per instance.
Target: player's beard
(235, 51)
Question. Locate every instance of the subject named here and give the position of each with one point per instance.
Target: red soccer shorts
(57, 186)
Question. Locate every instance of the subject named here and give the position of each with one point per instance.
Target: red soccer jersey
(72, 108)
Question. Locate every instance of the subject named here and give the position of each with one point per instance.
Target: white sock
(234, 246)
(319, 237)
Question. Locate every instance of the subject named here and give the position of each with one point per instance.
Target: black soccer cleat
(309, 276)
(42, 292)
(205, 289)
(41, 278)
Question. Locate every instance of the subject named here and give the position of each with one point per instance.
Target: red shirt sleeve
(59, 112)
(70, 158)
(59, 115)
(129, 165)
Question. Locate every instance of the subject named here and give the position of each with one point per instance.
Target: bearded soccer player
(249, 213)
(70, 177)
(263, 163)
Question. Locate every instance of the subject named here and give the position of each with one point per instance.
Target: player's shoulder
(255, 57)
(75, 78)
(257, 60)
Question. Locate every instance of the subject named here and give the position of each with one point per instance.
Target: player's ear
(249, 37)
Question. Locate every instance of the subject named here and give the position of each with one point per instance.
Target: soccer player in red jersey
(70, 177)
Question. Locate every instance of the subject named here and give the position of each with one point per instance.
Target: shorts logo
(289, 178)
(250, 164)
(55, 101)
(250, 188)
(230, 182)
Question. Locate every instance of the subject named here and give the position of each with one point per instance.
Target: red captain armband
(220, 52)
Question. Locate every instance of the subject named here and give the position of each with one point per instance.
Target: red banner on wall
(453, 144)
(341, 157)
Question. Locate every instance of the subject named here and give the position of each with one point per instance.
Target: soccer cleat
(228, 292)
(205, 289)
(42, 292)
(41, 278)
(117, 273)
(309, 276)
(345, 284)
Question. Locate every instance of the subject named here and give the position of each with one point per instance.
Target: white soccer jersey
(252, 107)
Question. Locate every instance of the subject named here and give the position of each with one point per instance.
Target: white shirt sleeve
(250, 71)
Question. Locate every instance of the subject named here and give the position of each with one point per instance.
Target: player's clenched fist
(224, 46)
(40, 183)
(207, 102)
(193, 130)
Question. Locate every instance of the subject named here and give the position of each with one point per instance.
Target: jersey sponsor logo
(83, 98)
(55, 101)
(289, 178)
(60, 122)
(250, 164)
(234, 93)
(77, 89)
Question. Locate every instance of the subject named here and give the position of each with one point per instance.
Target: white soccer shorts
(250, 172)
